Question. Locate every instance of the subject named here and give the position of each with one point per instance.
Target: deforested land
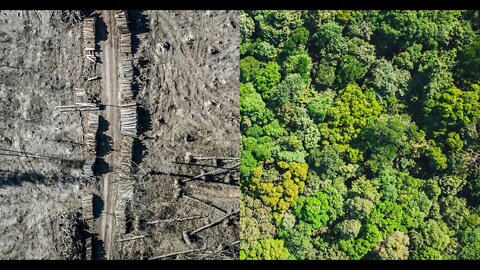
(119, 134)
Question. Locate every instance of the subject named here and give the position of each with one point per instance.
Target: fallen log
(128, 105)
(228, 158)
(214, 222)
(93, 78)
(176, 253)
(175, 220)
(209, 204)
(221, 170)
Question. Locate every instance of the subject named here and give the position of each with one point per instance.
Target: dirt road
(110, 97)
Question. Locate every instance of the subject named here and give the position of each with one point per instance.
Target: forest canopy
(360, 134)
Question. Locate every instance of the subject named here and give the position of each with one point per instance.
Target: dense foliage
(360, 134)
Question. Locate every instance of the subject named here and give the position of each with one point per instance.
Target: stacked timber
(128, 121)
(88, 167)
(124, 188)
(79, 106)
(126, 64)
(126, 68)
(88, 248)
(93, 120)
(126, 78)
(122, 21)
(91, 132)
(126, 154)
(89, 38)
(126, 43)
(87, 206)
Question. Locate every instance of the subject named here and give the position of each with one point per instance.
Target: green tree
(470, 244)
(297, 41)
(318, 107)
(329, 41)
(252, 107)
(249, 69)
(247, 25)
(389, 81)
(313, 210)
(276, 25)
(348, 115)
(255, 222)
(394, 247)
(247, 163)
(451, 110)
(299, 63)
(391, 141)
(469, 62)
(437, 160)
(267, 249)
(289, 90)
(432, 241)
(299, 242)
(259, 49)
(324, 73)
(267, 79)
(348, 228)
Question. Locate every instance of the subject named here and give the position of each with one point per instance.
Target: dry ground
(188, 64)
(187, 72)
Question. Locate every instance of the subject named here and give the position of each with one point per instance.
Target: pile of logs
(125, 182)
(126, 43)
(89, 38)
(93, 121)
(126, 154)
(121, 17)
(126, 64)
(87, 206)
(126, 78)
(91, 132)
(88, 167)
(79, 106)
(122, 21)
(88, 248)
(124, 188)
(128, 121)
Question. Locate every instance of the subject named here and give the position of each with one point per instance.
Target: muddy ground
(187, 88)
(188, 66)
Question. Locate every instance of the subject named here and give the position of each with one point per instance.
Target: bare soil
(41, 157)
(187, 73)
(188, 66)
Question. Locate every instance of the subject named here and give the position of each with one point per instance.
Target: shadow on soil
(16, 178)
(104, 142)
(101, 35)
(101, 167)
(138, 151)
(144, 119)
(98, 249)
(138, 25)
(98, 205)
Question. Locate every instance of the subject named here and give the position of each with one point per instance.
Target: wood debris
(88, 31)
